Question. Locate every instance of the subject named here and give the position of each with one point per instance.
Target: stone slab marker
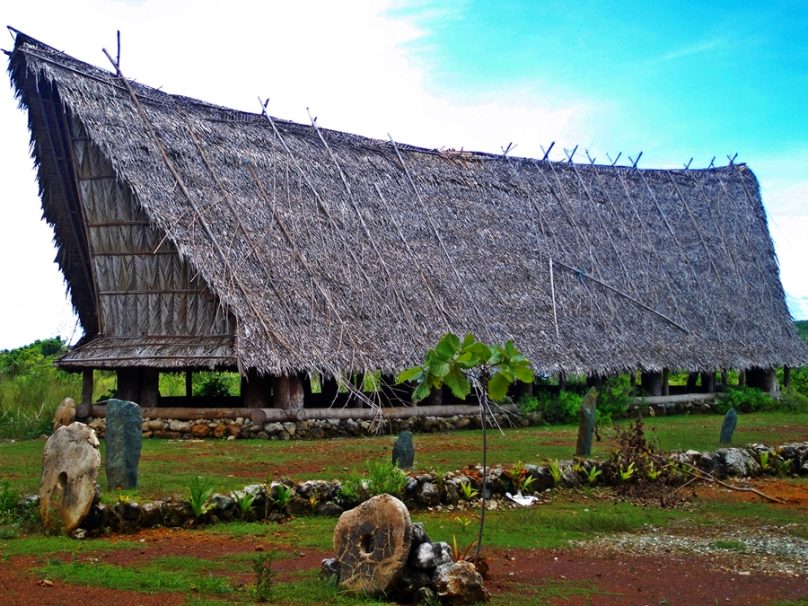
(65, 414)
(586, 424)
(404, 451)
(372, 543)
(728, 426)
(122, 435)
(70, 464)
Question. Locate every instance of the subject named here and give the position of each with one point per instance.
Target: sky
(673, 80)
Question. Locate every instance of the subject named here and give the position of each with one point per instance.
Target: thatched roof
(335, 251)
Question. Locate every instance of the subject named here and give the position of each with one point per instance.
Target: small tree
(465, 365)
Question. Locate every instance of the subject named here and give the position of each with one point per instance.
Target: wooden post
(256, 390)
(189, 384)
(708, 382)
(651, 383)
(562, 381)
(128, 383)
(741, 377)
(87, 386)
(786, 377)
(724, 378)
(149, 387)
(666, 375)
(328, 390)
(692, 379)
(288, 392)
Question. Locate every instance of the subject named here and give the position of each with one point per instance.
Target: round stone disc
(372, 543)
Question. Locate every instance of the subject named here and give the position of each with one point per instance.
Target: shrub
(614, 397)
(744, 399)
(554, 410)
(217, 384)
(792, 400)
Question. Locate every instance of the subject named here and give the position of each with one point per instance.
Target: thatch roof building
(196, 236)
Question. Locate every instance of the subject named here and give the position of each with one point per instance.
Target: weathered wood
(692, 380)
(149, 387)
(87, 386)
(673, 399)
(666, 374)
(128, 383)
(708, 382)
(651, 383)
(263, 415)
(741, 378)
(189, 384)
(786, 377)
(256, 390)
(288, 393)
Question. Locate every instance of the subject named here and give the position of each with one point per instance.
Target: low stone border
(309, 429)
(428, 491)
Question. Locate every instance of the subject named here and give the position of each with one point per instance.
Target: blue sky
(673, 79)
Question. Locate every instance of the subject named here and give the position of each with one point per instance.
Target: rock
(156, 425)
(404, 450)
(731, 462)
(419, 534)
(200, 430)
(459, 584)
(728, 426)
(329, 509)
(431, 555)
(65, 414)
(70, 466)
(372, 543)
(178, 426)
(122, 437)
(428, 494)
(329, 569)
(586, 424)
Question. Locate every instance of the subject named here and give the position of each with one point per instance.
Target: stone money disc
(372, 543)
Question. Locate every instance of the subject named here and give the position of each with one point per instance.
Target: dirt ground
(589, 574)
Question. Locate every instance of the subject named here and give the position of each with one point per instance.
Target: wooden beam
(256, 389)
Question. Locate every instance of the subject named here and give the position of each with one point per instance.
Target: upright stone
(728, 426)
(65, 414)
(404, 450)
(122, 435)
(70, 466)
(372, 543)
(586, 424)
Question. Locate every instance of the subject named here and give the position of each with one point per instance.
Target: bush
(744, 399)
(217, 384)
(614, 397)
(554, 410)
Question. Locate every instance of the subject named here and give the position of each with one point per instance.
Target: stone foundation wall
(244, 428)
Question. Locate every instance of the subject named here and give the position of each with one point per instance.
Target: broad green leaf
(498, 387)
(467, 360)
(468, 340)
(482, 351)
(523, 372)
(458, 383)
(447, 346)
(410, 374)
(421, 392)
(439, 369)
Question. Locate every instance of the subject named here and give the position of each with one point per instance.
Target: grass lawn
(167, 465)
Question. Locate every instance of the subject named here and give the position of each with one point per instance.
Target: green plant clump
(201, 490)
(614, 397)
(744, 399)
